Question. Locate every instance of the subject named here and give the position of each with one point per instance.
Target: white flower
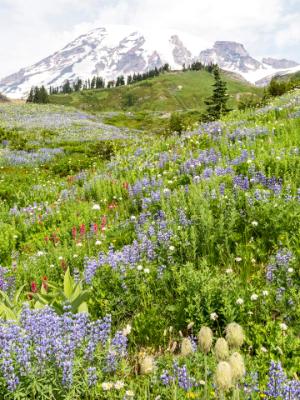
(96, 207)
(254, 297)
(283, 326)
(229, 271)
(40, 253)
(190, 325)
(126, 331)
(290, 270)
(52, 265)
(214, 316)
(240, 301)
(79, 244)
(139, 268)
(263, 349)
(133, 218)
(107, 386)
(254, 223)
(119, 385)
(249, 161)
(147, 270)
(250, 313)
(265, 293)
(171, 248)
(98, 242)
(202, 383)
(129, 393)
(60, 258)
(75, 255)
(238, 259)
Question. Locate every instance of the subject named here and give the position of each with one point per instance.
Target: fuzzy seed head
(234, 335)
(221, 350)
(205, 339)
(237, 364)
(146, 365)
(223, 376)
(186, 347)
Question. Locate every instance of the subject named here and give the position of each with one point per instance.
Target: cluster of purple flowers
(43, 340)
(152, 237)
(279, 263)
(279, 387)
(145, 185)
(251, 133)
(33, 213)
(206, 157)
(23, 157)
(7, 281)
(179, 376)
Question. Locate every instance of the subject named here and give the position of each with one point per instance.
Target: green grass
(157, 94)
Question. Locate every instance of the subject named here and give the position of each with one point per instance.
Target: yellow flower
(262, 395)
(191, 395)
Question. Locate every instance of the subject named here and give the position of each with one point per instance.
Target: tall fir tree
(30, 96)
(217, 103)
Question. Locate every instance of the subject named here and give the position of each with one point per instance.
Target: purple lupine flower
(92, 376)
(277, 380)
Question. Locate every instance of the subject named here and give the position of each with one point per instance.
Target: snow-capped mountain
(116, 50)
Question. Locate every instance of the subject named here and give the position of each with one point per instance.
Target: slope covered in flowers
(158, 238)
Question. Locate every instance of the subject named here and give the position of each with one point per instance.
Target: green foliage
(217, 103)
(248, 100)
(72, 295)
(10, 308)
(91, 201)
(176, 123)
(169, 92)
(38, 95)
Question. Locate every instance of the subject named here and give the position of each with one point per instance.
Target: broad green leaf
(83, 307)
(68, 284)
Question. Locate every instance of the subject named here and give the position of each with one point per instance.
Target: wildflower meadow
(141, 266)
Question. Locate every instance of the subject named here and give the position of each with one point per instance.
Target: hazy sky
(32, 29)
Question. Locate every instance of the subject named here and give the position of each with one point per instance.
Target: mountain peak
(230, 56)
(113, 50)
(279, 63)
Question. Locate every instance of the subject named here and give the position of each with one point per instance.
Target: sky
(33, 29)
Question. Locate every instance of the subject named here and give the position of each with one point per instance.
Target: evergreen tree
(99, 83)
(217, 103)
(93, 82)
(120, 81)
(77, 85)
(66, 88)
(43, 95)
(30, 96)
(38, 95)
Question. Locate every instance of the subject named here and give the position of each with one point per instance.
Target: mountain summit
(116, 50)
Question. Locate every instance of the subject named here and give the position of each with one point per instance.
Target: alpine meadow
(150, 217)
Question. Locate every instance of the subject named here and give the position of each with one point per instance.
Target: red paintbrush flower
(74, 232)
(82, 229)
(34, 287)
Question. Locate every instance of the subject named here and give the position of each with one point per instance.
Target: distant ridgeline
(97, 82)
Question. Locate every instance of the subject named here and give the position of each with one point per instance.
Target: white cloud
(32, 29)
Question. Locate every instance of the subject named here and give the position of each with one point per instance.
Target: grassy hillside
(169, 92)
(164, 237)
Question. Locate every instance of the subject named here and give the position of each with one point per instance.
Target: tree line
(40, 94)
(97, 82)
